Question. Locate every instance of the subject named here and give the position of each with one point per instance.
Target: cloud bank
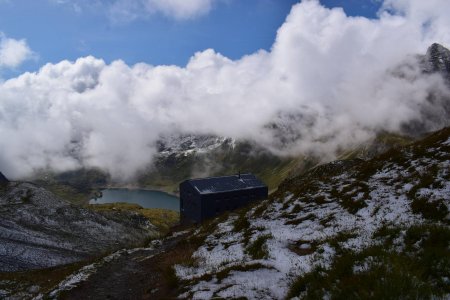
(329, 81)
(13, 52)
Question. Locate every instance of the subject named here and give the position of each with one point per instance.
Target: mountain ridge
(438, 60)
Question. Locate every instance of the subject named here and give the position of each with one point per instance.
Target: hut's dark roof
(214, 185)
(3, 179)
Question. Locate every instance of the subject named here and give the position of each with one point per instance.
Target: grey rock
(437, 59)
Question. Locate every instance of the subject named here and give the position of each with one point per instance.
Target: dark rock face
(3, 179)
(437, 59)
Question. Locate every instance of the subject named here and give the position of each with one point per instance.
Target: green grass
(163, 219)
(241, 223)
(261, 208)
(300, 220)
(258, 248)
(413, 274)
(433, 210)
(46, 279)
(387, 234)
(221, 275)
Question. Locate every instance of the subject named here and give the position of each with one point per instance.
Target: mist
(329, 81)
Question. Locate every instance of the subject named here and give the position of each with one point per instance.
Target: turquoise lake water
(145, 198)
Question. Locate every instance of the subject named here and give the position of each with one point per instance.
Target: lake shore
(147, 198)
(133, 187)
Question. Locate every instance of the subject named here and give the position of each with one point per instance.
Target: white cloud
(180, 9)
(13, 52)
(129, 10)
(431, 15)
(329, 80)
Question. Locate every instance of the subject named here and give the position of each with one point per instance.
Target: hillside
(351, 228)
(39, 230)
(355, 229)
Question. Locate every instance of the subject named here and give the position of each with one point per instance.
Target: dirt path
(137, 275)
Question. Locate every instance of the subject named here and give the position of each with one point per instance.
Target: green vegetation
(338, 239)
(163, 219)
(382, 142)
(239, 268)
(387, 233)
(261, 208)
(300, 220)
(258, 248)
(380, 272)
(74, 186)
(241, 223)
(434, 210)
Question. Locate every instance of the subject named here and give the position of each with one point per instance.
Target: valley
(338, 223)
(343, 117)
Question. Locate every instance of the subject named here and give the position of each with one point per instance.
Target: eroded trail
(132, 274)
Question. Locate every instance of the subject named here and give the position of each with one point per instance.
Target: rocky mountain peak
(438, 59)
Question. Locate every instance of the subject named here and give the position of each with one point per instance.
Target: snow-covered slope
(188, 144)
(39, 230)
(329, 232)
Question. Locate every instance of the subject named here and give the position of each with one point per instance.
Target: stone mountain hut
(204, 198)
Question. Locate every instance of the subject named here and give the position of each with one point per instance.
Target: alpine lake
(145, 198)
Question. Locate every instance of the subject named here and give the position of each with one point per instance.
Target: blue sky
(57, 29)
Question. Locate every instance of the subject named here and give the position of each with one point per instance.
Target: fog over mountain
(329, 81)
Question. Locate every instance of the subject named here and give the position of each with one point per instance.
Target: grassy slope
(163, 219)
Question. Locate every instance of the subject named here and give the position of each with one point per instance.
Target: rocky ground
(139, 273)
